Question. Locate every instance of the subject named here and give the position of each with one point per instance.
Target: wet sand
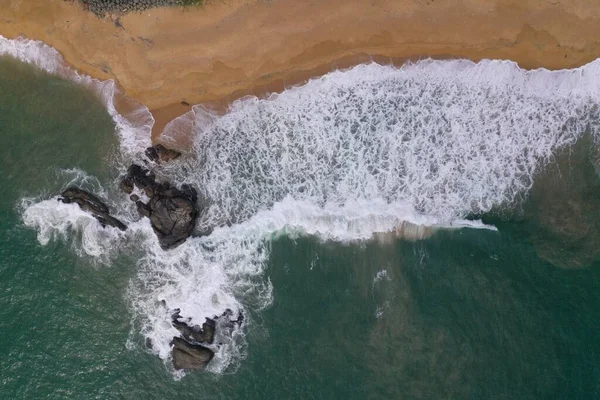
(227, 49)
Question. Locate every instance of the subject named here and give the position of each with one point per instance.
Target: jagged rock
(190, 356)
(140, 177)
(90, 201)
(206, 334)
(172, 211)
(92, 204)
(173, 219)
(158, 153)
(183, 328)
(230, 323)
(188, 352)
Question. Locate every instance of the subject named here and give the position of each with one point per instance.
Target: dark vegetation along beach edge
(172, 212)
(102, 7)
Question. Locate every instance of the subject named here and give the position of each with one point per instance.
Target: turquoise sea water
(460, 313)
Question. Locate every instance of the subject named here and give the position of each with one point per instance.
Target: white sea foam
(381, 275)
(354, 154)
(447, 138)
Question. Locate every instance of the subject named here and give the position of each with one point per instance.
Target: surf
(354, 155)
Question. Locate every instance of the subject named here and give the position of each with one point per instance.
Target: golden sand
(227, 49)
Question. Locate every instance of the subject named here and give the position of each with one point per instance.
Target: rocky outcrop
(172, 212)
(158, 153)
(91, 204)
(204, 334)
(189, 350)
(190, 356)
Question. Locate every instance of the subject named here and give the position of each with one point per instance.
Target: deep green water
(464, 314)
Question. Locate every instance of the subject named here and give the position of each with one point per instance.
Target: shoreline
(223, 51)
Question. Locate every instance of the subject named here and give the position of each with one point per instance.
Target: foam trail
(374, 150)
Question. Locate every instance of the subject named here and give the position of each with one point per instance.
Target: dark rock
(151, 153)
(150, 191)
(206, 334)
(140, 177)
(189, 192)
(126, 185)
(172, 211)
(86, 200)
(134, 197)
(92, 204)
(185, 103)
(240, 319)
(173, 219)
(188, 351)
(231, 323)
(158, 153)
(143, 209)
(190, 356)
(183, 328)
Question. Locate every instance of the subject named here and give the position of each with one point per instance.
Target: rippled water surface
(429, 232)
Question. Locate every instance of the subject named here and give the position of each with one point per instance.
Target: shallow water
(331, 311)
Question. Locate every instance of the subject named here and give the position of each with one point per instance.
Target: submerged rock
(126, 185)
(190, 356)
(92, 204)
(158, 153)
(561, 213)
(172, 211)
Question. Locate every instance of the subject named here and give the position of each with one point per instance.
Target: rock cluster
(102, 7)
(92, 204)
(190, 350)
(187, 351)
(158, 153)
(172, 211)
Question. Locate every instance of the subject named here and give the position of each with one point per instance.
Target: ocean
(418, 232)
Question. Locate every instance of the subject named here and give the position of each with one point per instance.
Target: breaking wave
(349, 156)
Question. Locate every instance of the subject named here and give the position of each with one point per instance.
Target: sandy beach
(227, 49)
